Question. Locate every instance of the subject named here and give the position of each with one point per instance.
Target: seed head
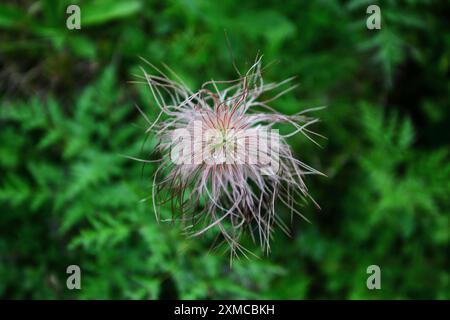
(223, 165)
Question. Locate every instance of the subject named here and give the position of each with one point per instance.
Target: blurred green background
(66, 114)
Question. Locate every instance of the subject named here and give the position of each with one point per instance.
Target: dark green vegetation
(66, 115)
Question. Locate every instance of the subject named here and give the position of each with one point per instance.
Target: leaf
(82, 47)
(406, 134)
(11, 17)
(103, 11)
(106, 233)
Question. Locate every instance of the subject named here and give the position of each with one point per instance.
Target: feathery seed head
(223, 164)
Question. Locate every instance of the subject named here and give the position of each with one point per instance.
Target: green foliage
(93, 202)
(100, 12)
(68, 194)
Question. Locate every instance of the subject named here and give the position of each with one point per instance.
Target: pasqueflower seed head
(223, 166)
